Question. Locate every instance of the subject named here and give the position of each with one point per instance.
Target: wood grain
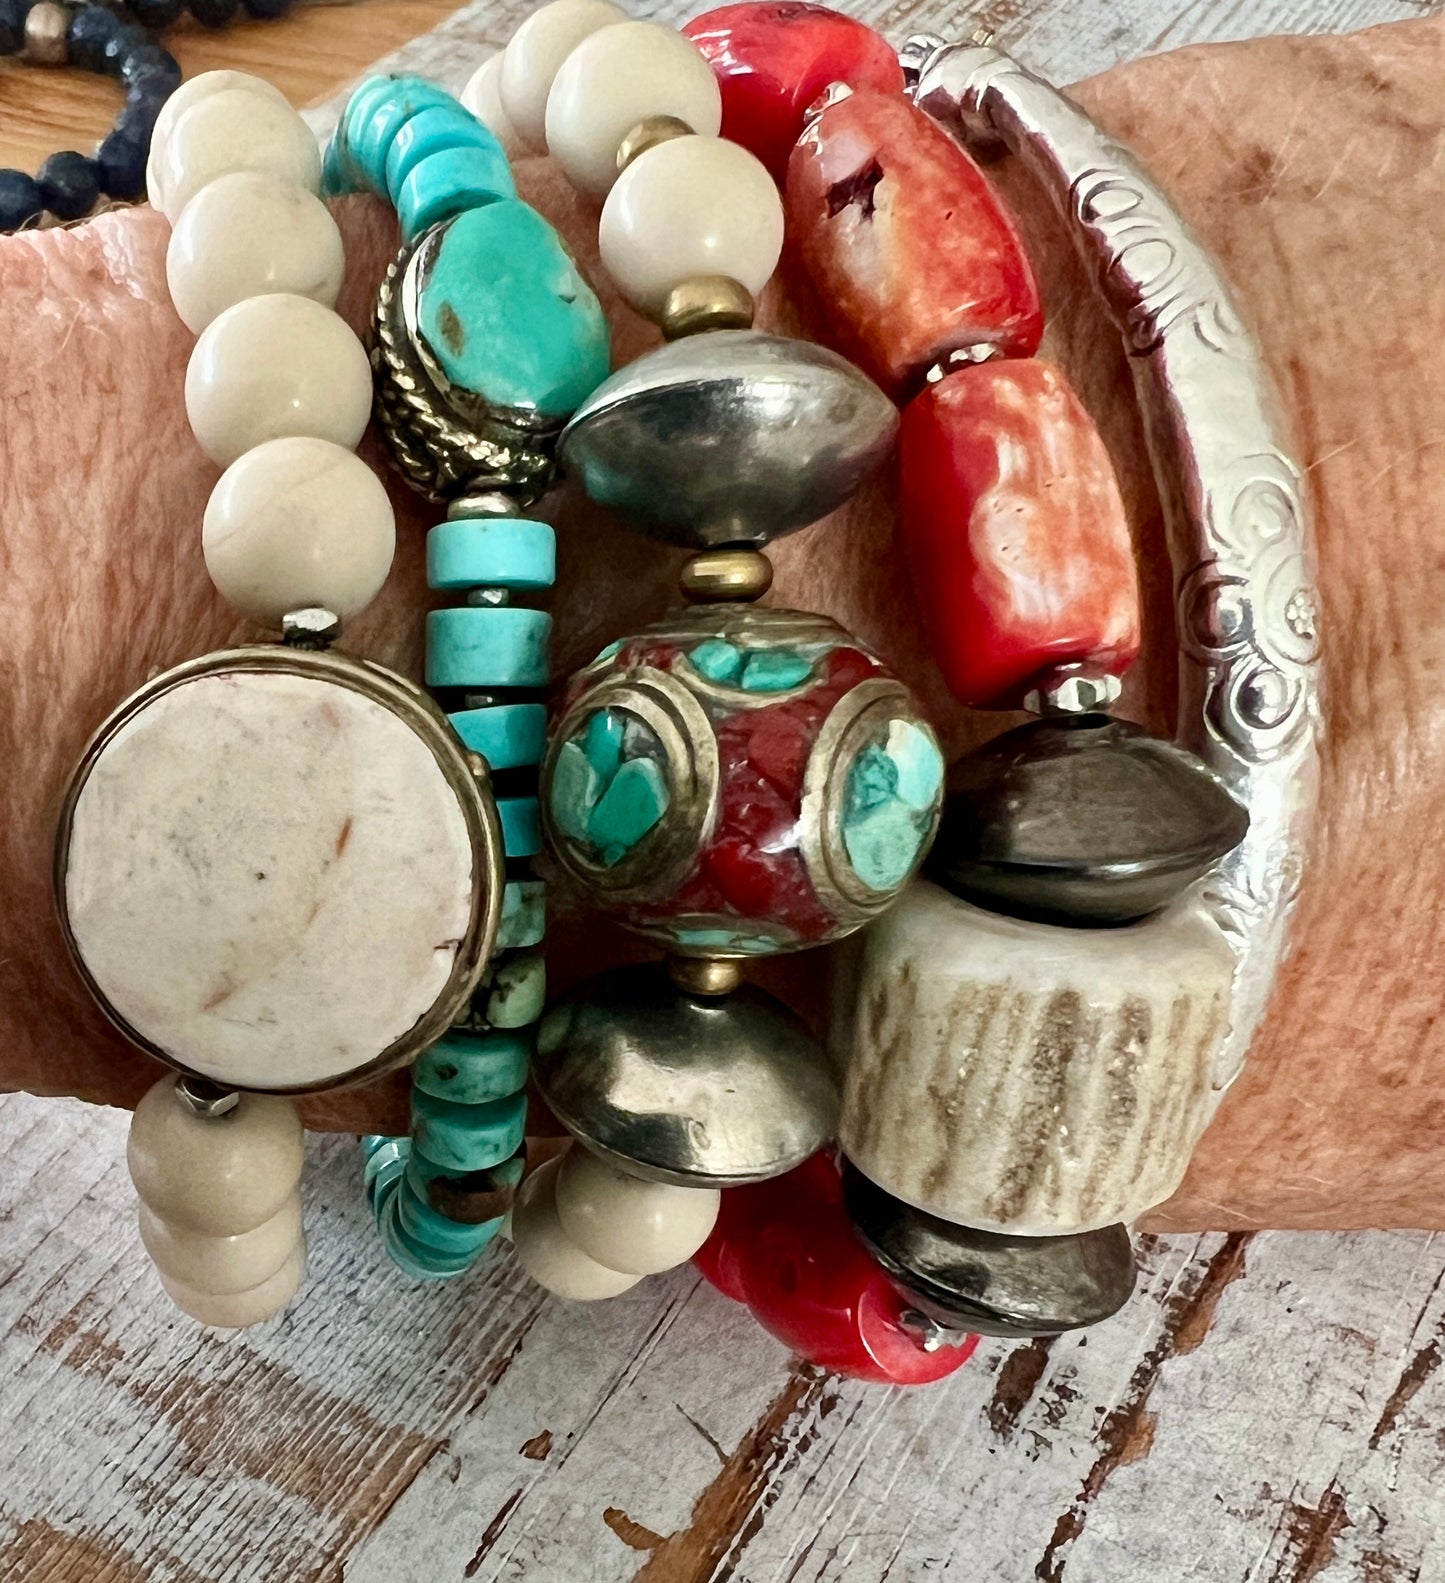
(1267, 1410)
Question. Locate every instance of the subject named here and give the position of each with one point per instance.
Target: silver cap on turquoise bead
(736, 437)
(681, 1087)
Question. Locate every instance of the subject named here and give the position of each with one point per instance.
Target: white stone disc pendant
(279, 869)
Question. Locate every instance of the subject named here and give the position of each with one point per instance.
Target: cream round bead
(223, 1265)
(235, 129)
(219, 1176)
(689, 207)
(537, 49)
(236, 1310)
(613, 80)
(188, 94)
(249, 235)
(548, 1254)
(483, 97)
(628, 1225)
(298, 522)
(274, 366)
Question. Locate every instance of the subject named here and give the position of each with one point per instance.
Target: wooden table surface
(1269, 1409)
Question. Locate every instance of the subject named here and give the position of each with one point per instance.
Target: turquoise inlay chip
(573, 791)
(634, 802)
(450, 183)
(872, 780)
(718, 660)
(524, 914)
(919, 762)
(602, 742)
(521, 826)
(508, 736)
(466, 1137)
(724, 940)
(507, 315)
(491, 552)
(518, 991)
(883, 843)
(437, 130)
(487, 646)
(473, 1069)
(774, 670)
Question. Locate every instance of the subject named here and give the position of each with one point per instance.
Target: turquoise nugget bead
(449, 183)
(508, 736)
(434, 131)
(482, 646)
(473, 1069)
(460, 1138)
(491, 552)
(507, 315)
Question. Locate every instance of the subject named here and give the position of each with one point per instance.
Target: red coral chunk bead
(773, 60)
(1012, 522)
(910, 250)
(787, 1249)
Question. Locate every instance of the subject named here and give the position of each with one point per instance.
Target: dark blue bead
(157, 14)
(121, 46)
(69, 185)
(122, 161)
(92, 28)
(12, 26)
(266, 10)
(153, 68)
(20, 200)
(214, 13)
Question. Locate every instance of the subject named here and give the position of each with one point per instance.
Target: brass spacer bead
(717, 576)
(707, 302)
(710, 976)
(47, 28)
(648, 133)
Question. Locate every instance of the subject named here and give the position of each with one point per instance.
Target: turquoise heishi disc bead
(508, 736)
(473, 1069)
(507, 315)
(518, 991)
(487, 646)
(427, 1229)
(524, 914)
(521, 826)
(336, 173)
(449, 183)
(411, 1256)
(491, 552)
(380, 113)
(434, 131)
(467, 1137)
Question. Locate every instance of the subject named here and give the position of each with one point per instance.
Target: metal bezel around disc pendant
(445, 440)
(466, 776)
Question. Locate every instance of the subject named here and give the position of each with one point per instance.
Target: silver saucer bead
(732, 438)
(690, 1088)
(965, 1280)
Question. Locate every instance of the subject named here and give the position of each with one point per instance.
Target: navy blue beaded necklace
(121, 45)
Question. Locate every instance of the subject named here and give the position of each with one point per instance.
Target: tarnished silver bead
(685, 1087)
(996, 1285)
(46, 27)
(736, 437)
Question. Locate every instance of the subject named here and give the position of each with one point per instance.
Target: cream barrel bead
(298, 522)
(547, 1253)
(251, 235)
(1026, 1078)
(275, 366)
(613, 80)
(689, 207)
(629, 1225)
(216, 1176)
(223, 1265)
(483, 97)
(191, 93)
(236, 1310)
(235, 129)
(536, 51)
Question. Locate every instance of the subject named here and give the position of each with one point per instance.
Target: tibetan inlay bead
(738, 781)
(683, 1087)
(730, 438)
(774, 59)
(1083, 820)
(1016, 1077)
(1011, 518)
(905, 241)
(985, 1281)
(785, 1249)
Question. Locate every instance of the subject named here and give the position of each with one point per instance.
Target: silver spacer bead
(1074, 693)
(915, 55)
(963, 357)
(489, 598)
(206, 1099)
(46, 27)
(930, 1335)
(312, 628)
(487, 503)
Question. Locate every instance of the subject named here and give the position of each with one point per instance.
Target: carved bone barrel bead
(906, 242)
(1012, 522)
(1027, 1078)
